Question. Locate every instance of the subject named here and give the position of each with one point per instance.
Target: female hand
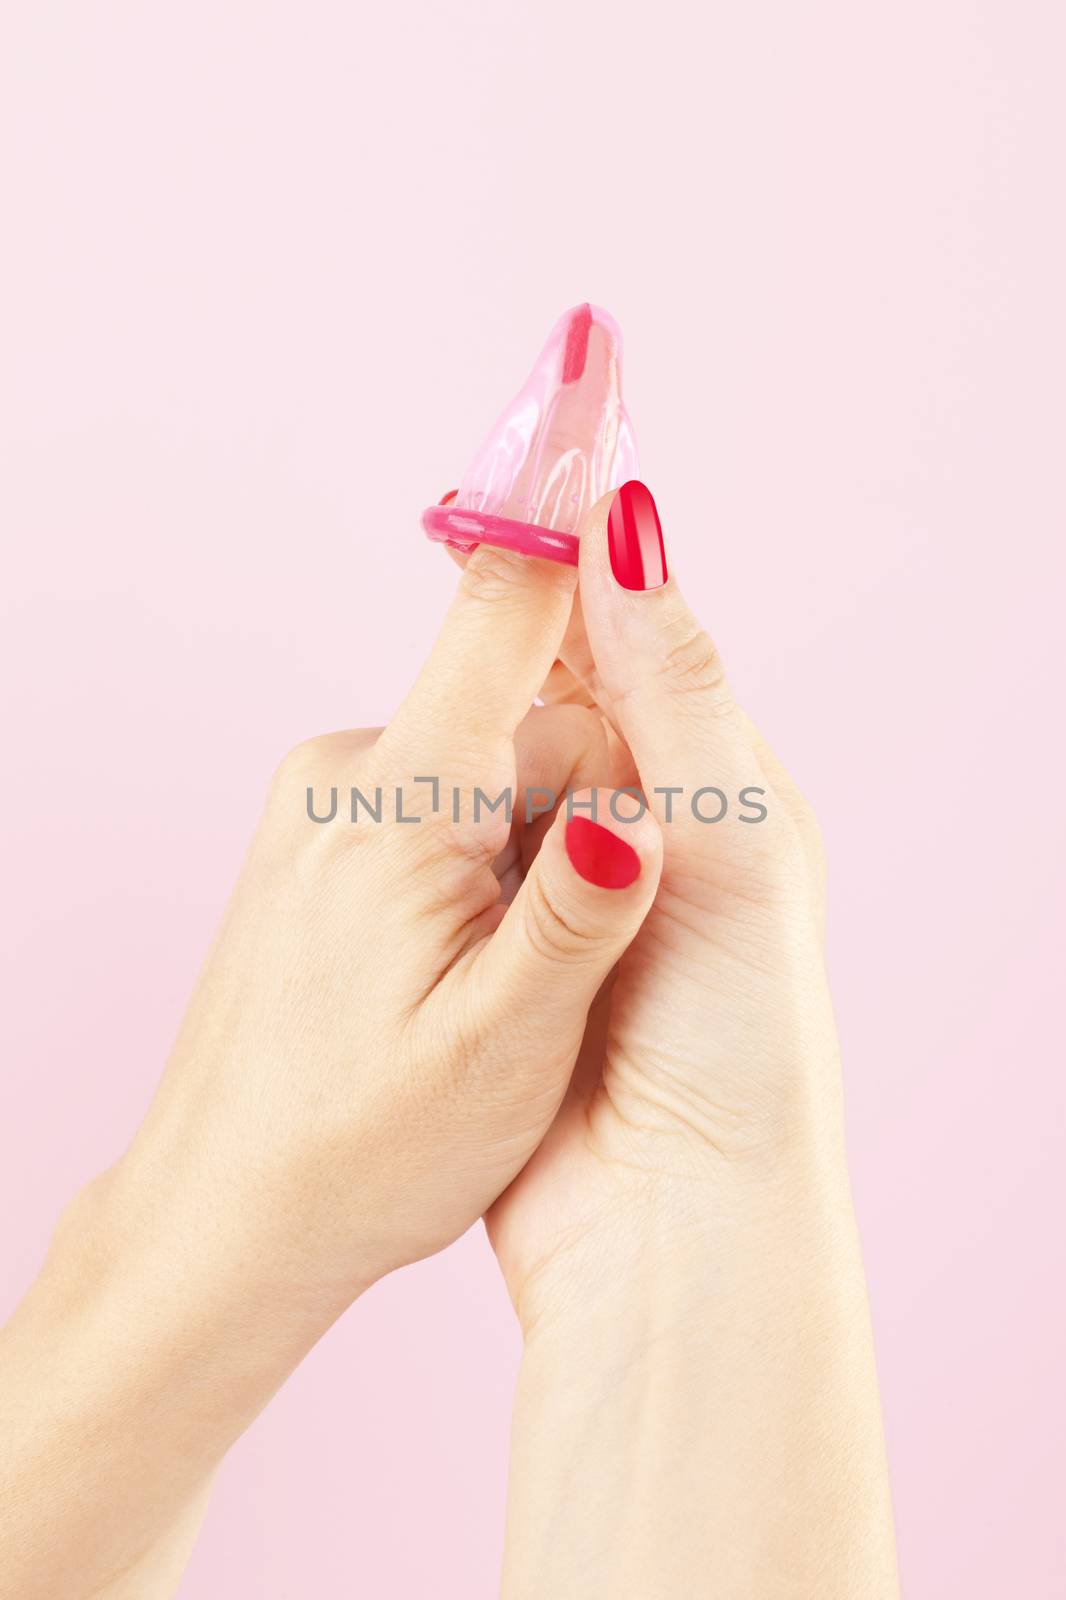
(720, 1051)
(375, 1047)
(698, 1409)
(390, 1016)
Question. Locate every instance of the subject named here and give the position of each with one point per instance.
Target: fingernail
(635, 538)
(600, 856)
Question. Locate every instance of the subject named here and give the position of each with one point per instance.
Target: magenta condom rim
(464, 530)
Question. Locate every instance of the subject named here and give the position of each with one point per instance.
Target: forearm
(706, 1421)
(131, 1367)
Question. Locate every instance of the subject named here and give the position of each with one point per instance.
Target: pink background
(269, 270)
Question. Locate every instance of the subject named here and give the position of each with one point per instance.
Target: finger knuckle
(323, 757)
(492, 576)
(299, 766)
(313, 783)
(553, 929)
(811, 829)
(499, 577)
(692, 664)
(808, 829)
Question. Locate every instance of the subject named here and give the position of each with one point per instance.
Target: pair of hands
(382, 1046)
(408, 1024)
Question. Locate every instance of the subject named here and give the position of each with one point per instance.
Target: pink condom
(562, 443)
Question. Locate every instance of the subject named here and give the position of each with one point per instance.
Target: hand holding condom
(589, 1028)
(390, 1017)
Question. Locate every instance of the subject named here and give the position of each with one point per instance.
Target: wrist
(180, 1303)
(710, 1390)
(223, 1232)
(156, 1331)
(653, 1238)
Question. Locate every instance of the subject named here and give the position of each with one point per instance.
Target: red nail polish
(600, 856)
(577, 343)
(635, 538)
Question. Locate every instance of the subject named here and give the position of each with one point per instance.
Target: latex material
(564, 440)
(465, 530)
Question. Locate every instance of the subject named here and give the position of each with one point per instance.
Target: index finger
(499, 639)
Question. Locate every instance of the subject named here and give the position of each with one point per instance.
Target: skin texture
(688, 1216)
(382, 1047)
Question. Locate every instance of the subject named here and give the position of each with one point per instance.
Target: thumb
(660, 678)
(584, 898)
